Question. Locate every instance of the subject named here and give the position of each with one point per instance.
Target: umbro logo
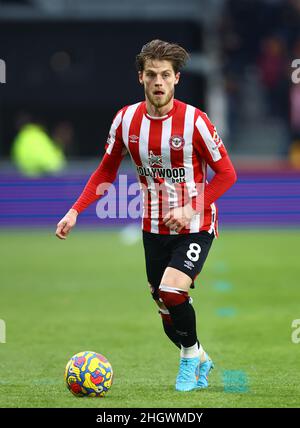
(188, 264)
(133, 139)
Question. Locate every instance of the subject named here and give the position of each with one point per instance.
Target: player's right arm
(66, 224)
(101, 178)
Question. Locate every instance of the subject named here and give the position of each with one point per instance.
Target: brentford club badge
(176, 142)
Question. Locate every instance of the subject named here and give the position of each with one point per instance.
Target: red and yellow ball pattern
(89, 374)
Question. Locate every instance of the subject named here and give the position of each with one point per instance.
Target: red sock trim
(173, 299)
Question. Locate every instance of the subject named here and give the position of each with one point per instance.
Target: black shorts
(186, 253)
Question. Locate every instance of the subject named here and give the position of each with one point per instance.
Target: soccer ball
(88, 374)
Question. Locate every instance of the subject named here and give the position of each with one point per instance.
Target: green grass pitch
(90, 293)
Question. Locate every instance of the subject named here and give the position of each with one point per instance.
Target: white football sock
(190, 352)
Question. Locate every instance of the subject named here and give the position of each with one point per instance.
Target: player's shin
(184, 319)
(169, 327)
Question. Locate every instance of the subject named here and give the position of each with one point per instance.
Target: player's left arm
(209, 146)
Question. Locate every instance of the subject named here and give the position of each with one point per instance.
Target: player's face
(159, 80)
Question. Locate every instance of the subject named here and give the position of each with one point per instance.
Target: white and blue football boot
(187, 376)
(203, 371)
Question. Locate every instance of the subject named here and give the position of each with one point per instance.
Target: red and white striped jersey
(170, 154)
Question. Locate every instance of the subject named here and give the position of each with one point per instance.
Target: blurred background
(69, 67)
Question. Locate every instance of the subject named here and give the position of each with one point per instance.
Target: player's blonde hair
(160, 50)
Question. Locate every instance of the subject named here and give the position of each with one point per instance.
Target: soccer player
(170, 143)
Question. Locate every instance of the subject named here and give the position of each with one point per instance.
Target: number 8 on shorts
(194, 252)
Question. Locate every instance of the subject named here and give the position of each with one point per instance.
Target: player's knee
(172, 296)
(173, 277)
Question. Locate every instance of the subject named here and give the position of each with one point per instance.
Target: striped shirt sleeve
(208, 142)
(210, 147)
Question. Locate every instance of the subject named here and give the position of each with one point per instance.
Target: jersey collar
(171, 112)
